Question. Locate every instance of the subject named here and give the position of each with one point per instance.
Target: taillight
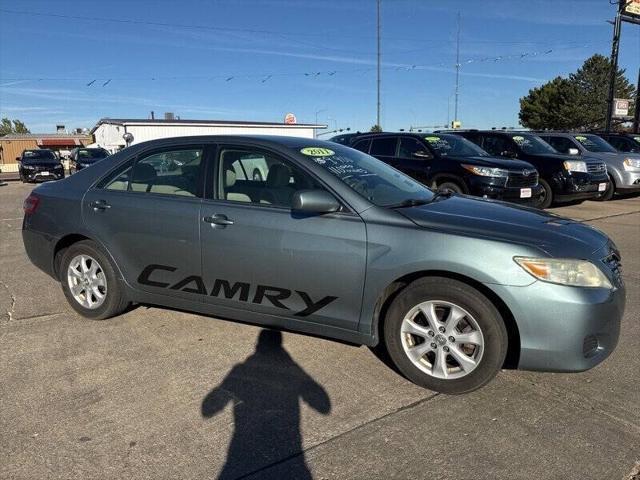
(30, 204)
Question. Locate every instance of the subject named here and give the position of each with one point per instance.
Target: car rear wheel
(546, 197)
(444, 335)
(90, 283)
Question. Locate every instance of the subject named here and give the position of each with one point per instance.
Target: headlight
(575, 166)
(631, 163)
(486, 171)
(564, 271)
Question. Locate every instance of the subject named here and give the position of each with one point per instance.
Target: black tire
(476, 304)
(546, 199)
(609, 192)
(451, 185)
(115, 301)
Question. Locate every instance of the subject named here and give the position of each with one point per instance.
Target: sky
(73, 62)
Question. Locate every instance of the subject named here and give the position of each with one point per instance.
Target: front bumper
(564, 329)
(41, 176)
(630, 180)
(507, 194)
(579, 186)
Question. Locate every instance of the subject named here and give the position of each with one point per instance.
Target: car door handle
(99, 205)
(218, 219)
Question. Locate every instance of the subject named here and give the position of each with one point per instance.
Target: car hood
(500, 221)
(494, 162)
(42, 163)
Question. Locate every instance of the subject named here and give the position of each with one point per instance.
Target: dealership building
(114, 134)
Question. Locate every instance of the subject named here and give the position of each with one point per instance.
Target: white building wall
(110, 136)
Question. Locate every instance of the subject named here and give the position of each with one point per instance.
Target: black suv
(40, 165)
(449, 162)
(83, 157)
(563, 177)
(622, 142)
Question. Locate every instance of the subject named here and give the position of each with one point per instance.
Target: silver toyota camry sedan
(330, 241)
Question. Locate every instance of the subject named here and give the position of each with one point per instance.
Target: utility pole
(614, 64)
(378, 38)
(455, 109)
(636, 113)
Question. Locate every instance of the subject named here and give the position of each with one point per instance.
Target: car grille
(596, 167)
(522, 179)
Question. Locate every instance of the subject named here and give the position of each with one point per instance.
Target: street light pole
(455, 110)
(615, 46)
(636, 113)
(378, 81)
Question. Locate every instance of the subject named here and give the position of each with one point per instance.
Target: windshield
(532, 144)
(595, 144)
(454, 145)
(375, 180)
(88, 154)
(39, 156)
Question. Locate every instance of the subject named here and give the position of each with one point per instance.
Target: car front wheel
(546, 197)
(444, 335)
(90, 283)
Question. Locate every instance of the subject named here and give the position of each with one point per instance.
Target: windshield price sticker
(317, 152)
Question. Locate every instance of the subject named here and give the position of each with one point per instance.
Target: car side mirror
(314, 201)
(422, 154)
(574, 151)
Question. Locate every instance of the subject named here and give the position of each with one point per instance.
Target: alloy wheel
(87, 281)
(442, 339)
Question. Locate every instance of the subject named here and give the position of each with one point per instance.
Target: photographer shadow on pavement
(266, 390)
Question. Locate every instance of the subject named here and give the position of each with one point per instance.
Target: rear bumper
(39, 247)
(564, 329)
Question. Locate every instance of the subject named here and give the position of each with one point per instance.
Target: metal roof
(27, 136)
(217, 123)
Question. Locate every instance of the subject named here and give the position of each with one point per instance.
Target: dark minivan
(40, 165)
(563, 177)
(622, 142)
(84, 157)
(450, 162)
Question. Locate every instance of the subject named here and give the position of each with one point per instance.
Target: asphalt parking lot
(164, 394)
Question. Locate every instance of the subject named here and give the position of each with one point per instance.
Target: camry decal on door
(239, 291)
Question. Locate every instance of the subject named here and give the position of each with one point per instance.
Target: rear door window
(362, 145)
(384, 147)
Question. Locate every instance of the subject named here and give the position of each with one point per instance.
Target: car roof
(265, 140)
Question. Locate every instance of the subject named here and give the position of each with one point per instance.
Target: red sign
(290, 119)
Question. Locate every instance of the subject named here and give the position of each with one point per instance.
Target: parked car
(564, 178)
(622, 142)
(39, 165)
(81, 157)
(623, 168)
(450, 162)
(345, 138)
(333, 243)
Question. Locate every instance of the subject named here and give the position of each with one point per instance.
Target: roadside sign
(632, 8)
(290, 119)
(621, 107)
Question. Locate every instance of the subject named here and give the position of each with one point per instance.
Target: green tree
(376, 129)
(12, 126)
(550, 106)
(578, 102)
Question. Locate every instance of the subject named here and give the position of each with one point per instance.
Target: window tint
(362, 145)
(259, 178)
(409, 146)
(172, 172)
(384, 146)
(496, 145)
(561, 144)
